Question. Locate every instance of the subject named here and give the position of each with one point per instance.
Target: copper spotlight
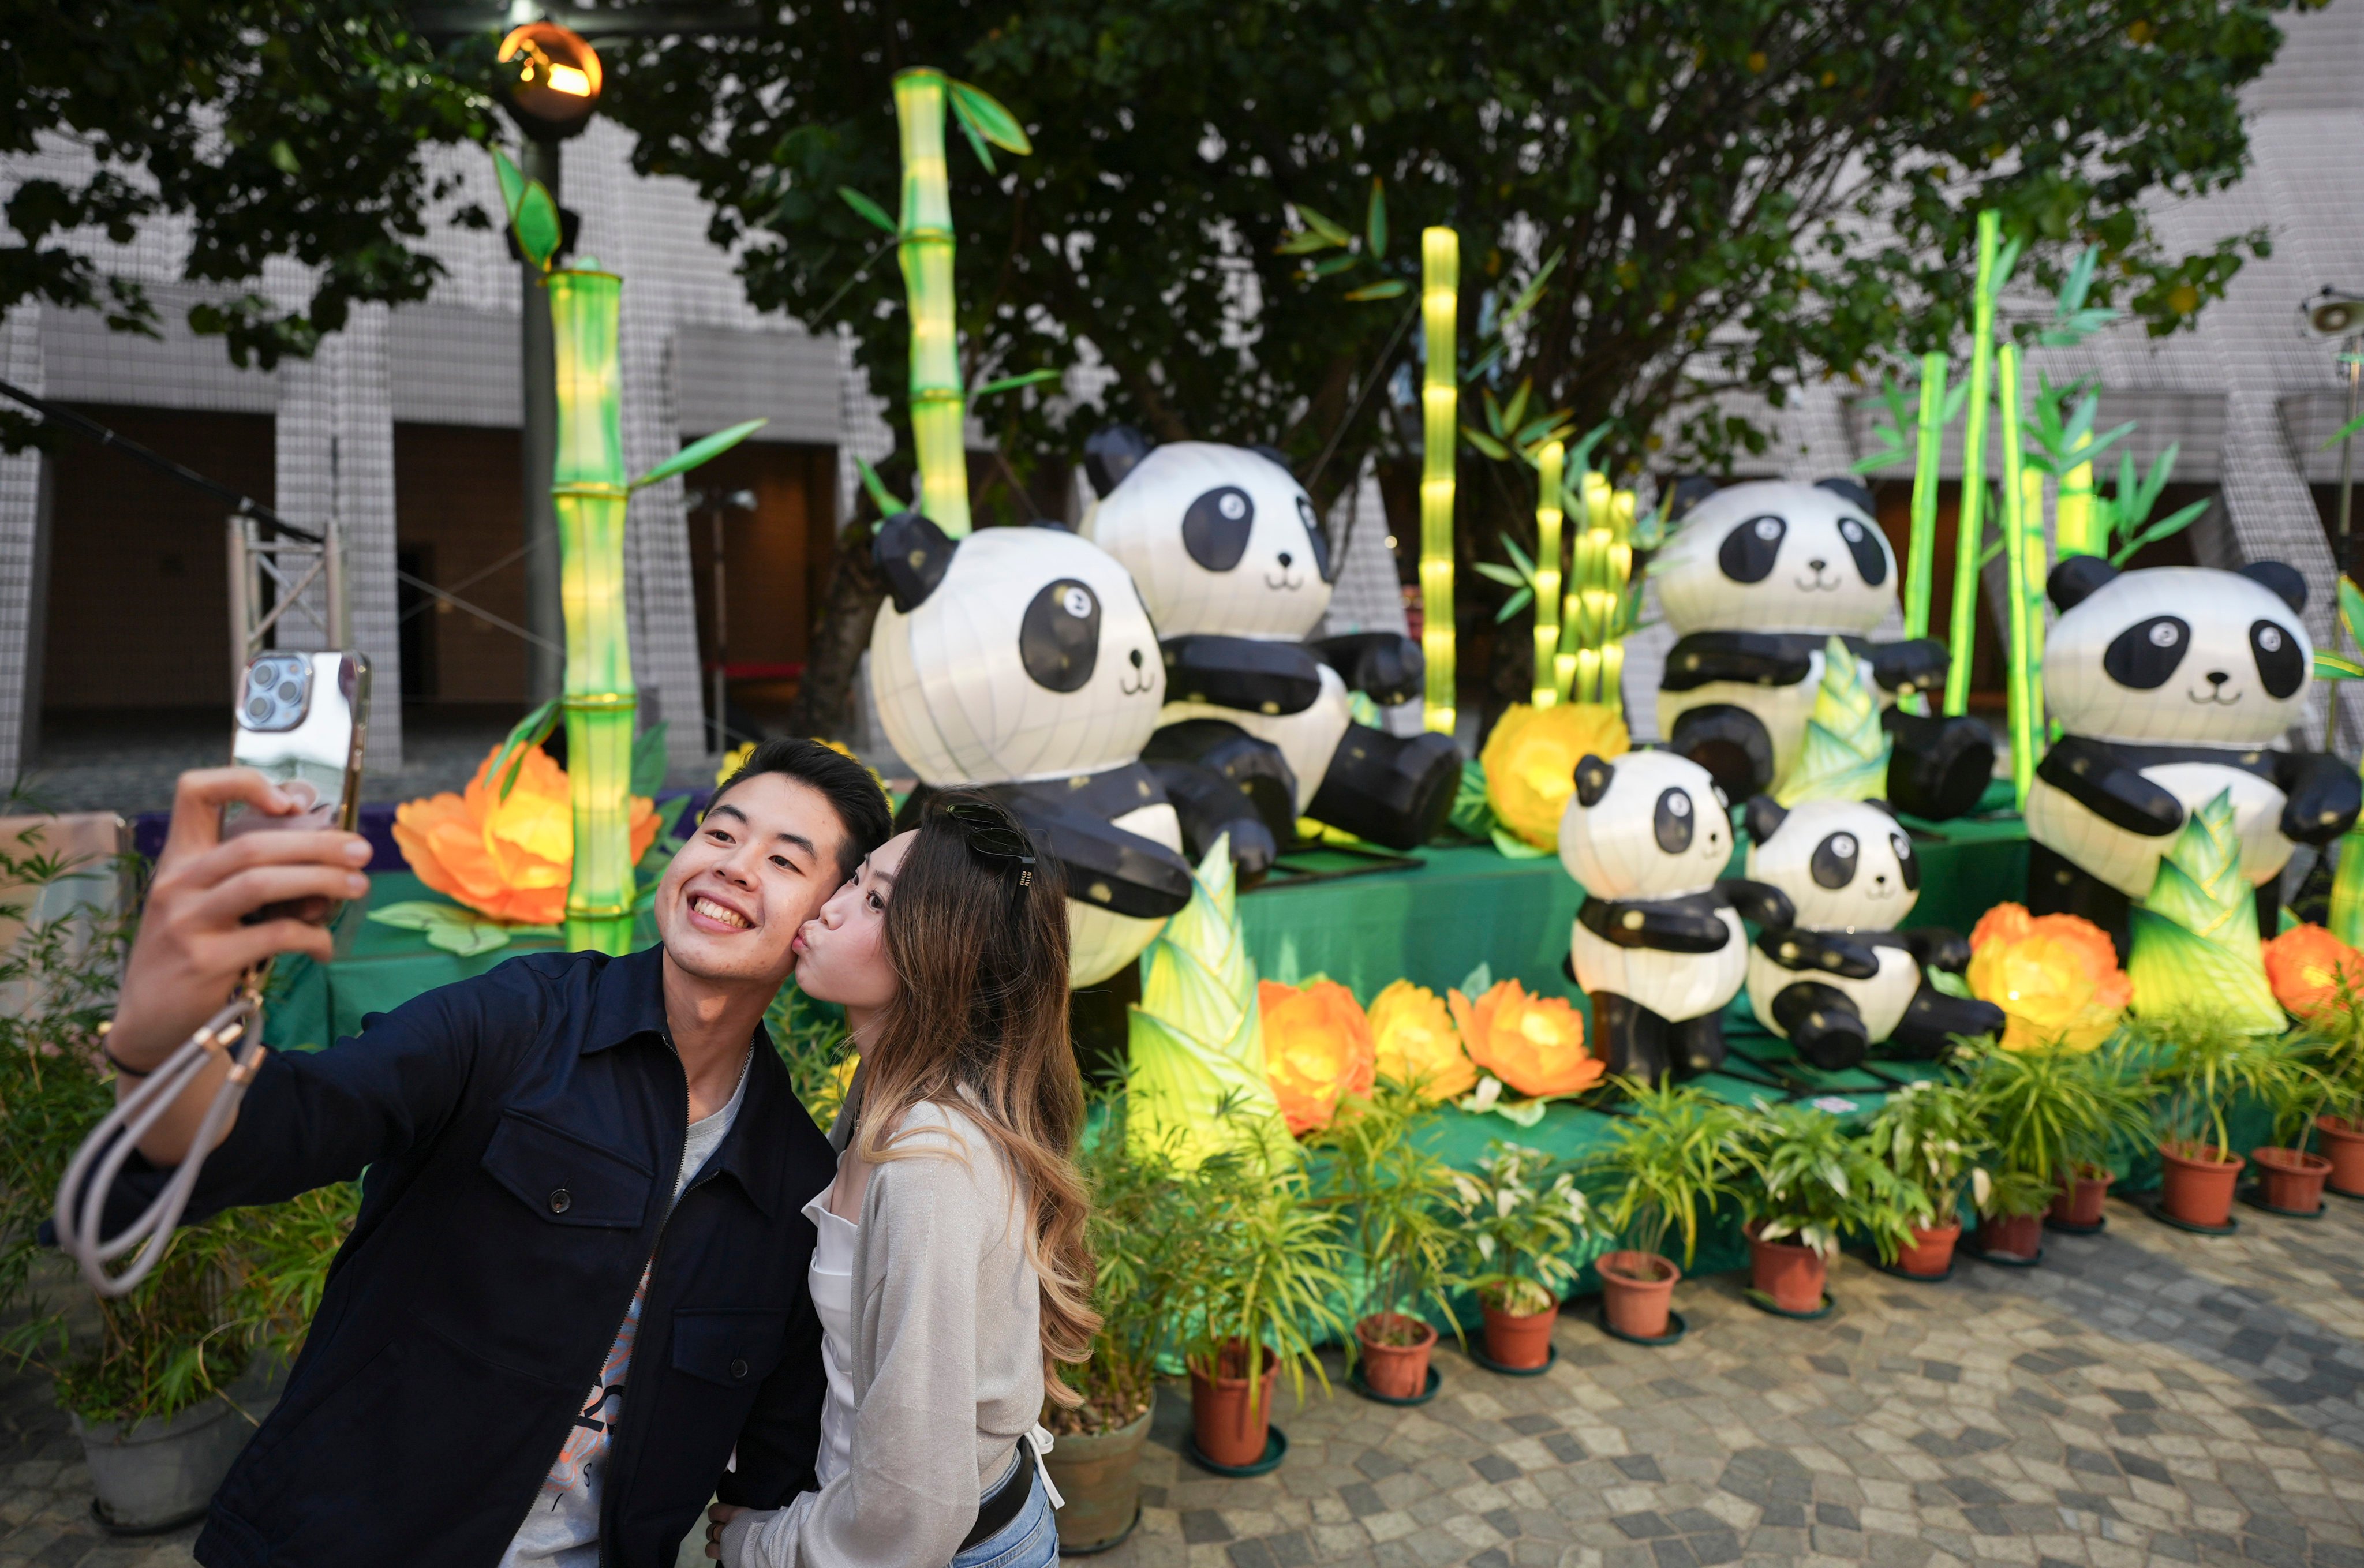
(552, 77)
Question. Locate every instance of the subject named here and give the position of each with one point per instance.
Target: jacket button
(560, 1201)
(739, 1369)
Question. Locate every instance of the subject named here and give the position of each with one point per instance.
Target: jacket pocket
(736, 1347)
(563, 1179)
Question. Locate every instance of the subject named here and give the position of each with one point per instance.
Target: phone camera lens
(290, 692)
(259, 678)
(259, 709)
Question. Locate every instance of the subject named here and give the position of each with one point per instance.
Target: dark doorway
(414, 630)
(775, 559)
(458, 510)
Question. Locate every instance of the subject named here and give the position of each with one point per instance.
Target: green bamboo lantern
(1919, 571)
(938, 410)
(1439, 403)
(1598, 597)
(2081, 524)
(591, 494)
(2022, 525)
(1551, 467)
(1969, 538)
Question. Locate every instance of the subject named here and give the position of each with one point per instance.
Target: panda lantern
(1257, 728)
(1658, 947)
(2170, 685)
(1019, 661)
(1756, 577)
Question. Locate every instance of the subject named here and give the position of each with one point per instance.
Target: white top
(830, 1279)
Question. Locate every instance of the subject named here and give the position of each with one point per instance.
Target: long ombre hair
(978, 1023)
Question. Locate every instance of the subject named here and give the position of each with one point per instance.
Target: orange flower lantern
(1417, 1044)
(2054, 976)
(508, 859)
(1533, 1044)
(1317, 1050)
(2306, 964)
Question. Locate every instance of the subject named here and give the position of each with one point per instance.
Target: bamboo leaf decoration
(1845, 753)
(866, 209)
(698, 452)
(2195, 948)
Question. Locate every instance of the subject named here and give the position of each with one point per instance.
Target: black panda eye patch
(1215, 529)
(1908, 864)
(2279, 663)
(1833, 861)
(1862, 540)
(1673, 820)
(1318, 540)
(1750, 550)
(2142, 657)
(1059, 638)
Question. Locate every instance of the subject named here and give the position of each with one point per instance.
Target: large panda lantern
(1657, 947)
(1256, 729)
(2172, 684)
(1756, 579)
(1020, 660)
(1839, 978)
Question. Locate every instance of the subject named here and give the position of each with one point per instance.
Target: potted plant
(2289, 1176)
(1394, 1198)
(2202, 1067)
(2046, 1112)
(1805, 1183)
(1670, 1162)
(1254, 1267)
(2333, 1049)
(1930, 1134)
(1095, 1461)
(1523, 1220)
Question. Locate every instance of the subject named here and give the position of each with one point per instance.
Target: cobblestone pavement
(2144, 1396)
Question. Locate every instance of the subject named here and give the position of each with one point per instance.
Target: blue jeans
(1029, 1540)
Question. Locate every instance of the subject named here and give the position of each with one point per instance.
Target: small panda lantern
(1256, 729)
(1839, 978)
(1019, 659)
(2172, 684)
(1657, 947)
(1756, 577)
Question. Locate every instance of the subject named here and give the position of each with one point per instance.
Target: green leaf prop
(649, 761)
(533, 216)
(880, 497)
(455, 930)
(2331, 666)
(1390, 288)
(2195, 947)
(1515, 848)
(700, 451)
(1010, 384)
(1846, 750)
(980, 112)
(531, 731)
(1375, 224)
(866, 209)
(512, 182)
(2351, 609)
(1471, 816)
(1329, 231)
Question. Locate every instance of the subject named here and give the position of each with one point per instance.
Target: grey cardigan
(950, 1323)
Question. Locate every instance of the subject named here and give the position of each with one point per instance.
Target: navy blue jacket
(521, 1133)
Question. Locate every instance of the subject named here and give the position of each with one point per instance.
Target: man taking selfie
(573, 1306)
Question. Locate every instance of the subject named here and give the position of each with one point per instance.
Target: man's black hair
(862, 807)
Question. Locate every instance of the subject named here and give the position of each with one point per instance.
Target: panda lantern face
(1773, 556)
(2179, 654)
(1647, 825)
(1029, 656)
(1846, 864)
(1222, 540)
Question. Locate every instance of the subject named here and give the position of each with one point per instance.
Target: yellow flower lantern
(1533, 1044)
(1317, 1050)
(508, 859)
(1416, 1043)
(1530, 762)
(2054, 976)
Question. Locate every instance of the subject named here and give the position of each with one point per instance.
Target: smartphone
(302, 719)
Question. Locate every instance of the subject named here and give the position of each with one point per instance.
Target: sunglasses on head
(992, 835)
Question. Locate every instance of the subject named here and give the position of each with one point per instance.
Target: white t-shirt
(562, 1529)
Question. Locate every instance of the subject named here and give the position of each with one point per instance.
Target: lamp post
(718, 507)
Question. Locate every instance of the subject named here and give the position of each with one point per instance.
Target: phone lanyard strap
(236, 1033)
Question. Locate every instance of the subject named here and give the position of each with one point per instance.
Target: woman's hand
(717, 1516)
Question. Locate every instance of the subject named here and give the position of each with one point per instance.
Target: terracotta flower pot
(1099, 1474)
(1932, 1252)
(1518, 1338)
(2290, 1179)
(2343, 1144)
(2199, 1181)
(1230, 1427)
(1790, 1272)
(2079, 1203)
(1637, 1291)
(2013, 1235)
(1395, 1371)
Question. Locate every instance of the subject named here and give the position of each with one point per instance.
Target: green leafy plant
(2202, 1066)
(1670, 1162)
(2329, 1048)
(811, 1041)
(1395, 1200)
(2047, 1112)
(1931, 1135)
(1135, 1247)
(1805, 1178)
(1526, 1226)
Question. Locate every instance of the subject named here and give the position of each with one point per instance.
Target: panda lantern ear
(1850, 489)
(1112, 453)
(1592, 776)
(913, 555)
(1765, 818)
(2285, 581)
(1689, 492)
(2077, 579)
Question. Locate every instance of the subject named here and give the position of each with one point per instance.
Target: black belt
(1003, 1504)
